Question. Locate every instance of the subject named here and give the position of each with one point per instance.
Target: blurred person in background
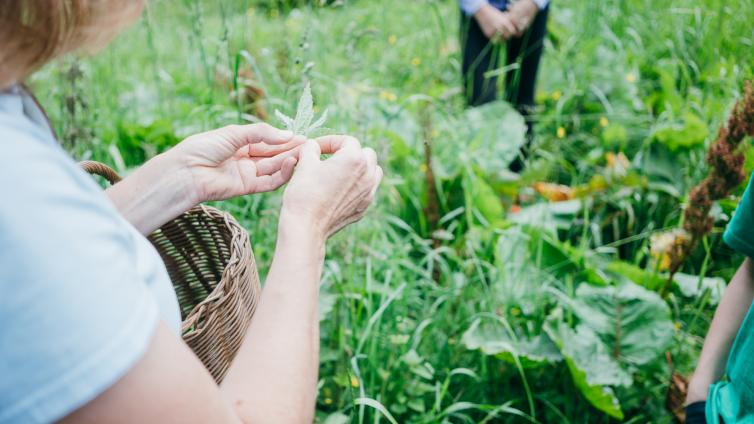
(522, 26)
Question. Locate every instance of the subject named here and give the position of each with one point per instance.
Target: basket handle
(97, 168)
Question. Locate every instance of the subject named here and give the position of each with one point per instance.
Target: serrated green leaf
(318, 123)
(285, 119)
(304, 112)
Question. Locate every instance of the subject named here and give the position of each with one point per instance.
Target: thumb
(309, 154)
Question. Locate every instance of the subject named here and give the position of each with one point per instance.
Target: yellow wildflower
(354, 381)
(388, 95)
(328, 401)
(631, 77)
(392, 39)
(423, 167)
(556, 95)
(561, 133)
(604, 122)
(416, 61)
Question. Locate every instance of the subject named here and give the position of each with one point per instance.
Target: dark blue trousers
(481, 56)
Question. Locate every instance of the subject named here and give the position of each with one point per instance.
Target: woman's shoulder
(32, 164)
(77, 316)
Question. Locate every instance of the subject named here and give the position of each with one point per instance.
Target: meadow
(467, 294)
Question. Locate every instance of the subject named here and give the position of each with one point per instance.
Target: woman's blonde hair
(32, 32)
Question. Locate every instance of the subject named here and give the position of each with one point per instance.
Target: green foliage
(593, 371)
(634, 323)
(689, 134)
(620, 329)
(494, 340)
(511, 308)
(137, 143)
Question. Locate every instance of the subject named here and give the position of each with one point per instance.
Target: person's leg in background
(479, 56)
(520, 84)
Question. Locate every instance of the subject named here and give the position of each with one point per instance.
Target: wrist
(697, 389)
(182, 177)
(301, 231)
(484, 12)
(153, 194)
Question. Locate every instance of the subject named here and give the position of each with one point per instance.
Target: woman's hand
(328, 195)
(495, 25)
(220, 164)
(237, 160)
(522, 14)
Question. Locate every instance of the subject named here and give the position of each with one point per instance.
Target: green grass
(397, 296)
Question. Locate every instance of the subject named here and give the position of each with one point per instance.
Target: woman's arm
(273, 377)
(729, 315)
(153, 194)
(216, 165)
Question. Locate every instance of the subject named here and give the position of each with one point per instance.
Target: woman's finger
(330, 144)
(507, 29)
(267, 166)
(268, 150)
(371, 158)
(309, 153)
(271, 182)
(238, 136)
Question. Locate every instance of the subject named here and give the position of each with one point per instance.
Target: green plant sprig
(304, 123)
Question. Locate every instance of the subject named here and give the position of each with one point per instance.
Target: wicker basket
(210, 262)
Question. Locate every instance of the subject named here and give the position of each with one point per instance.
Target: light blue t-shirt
(81, 291)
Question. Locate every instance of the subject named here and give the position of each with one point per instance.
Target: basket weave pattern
(211, 264)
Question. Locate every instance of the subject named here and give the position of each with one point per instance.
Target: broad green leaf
(593, 370)
(491, 135)
(520, 284)
(633, 322)
(337, 418)
(492, 339)
(640, 276)
(695, 286)
(498, 131)
(615, 135)
(548, 216)
(690, 133)
(487, 202)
